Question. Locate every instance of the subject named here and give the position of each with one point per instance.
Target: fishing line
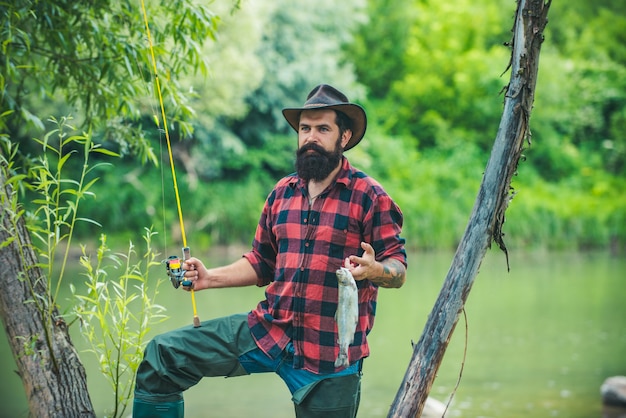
(196, 320)
(149, 88)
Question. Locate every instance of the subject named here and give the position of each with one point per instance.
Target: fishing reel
(175, 271)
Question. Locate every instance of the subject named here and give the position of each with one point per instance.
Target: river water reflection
(540, 341)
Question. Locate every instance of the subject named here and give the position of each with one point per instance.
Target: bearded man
(324, 216)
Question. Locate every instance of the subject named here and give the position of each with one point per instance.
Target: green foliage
(377, 68)
(443, 201)
(58, 197)
(117, 314)
(450, 82)
(94, 57)
(10, 195)
(127, 200)
(215, 212)
(581, 92)
(430, 82)
(581, 213)
(583, 126)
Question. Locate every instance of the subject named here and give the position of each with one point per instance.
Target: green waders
(177, 360)
(144, 409)
(336, 397)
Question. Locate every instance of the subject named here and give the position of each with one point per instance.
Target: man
(313, 221)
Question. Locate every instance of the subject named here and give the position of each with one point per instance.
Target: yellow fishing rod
(173, 264)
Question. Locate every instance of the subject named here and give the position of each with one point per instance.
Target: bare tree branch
(487, 218)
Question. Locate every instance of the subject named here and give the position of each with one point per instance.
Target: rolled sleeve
(264, 273)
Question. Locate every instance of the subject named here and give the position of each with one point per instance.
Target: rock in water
(613, 391)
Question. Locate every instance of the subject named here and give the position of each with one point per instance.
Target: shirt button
(306, 244)
(301, 268)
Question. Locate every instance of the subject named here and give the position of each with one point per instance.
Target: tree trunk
(53, 376)
(485, 223)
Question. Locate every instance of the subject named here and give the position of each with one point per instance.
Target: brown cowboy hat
(328, 97)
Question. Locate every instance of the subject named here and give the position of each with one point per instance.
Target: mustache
(311, 147)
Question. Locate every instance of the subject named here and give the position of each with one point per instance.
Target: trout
(347, 314)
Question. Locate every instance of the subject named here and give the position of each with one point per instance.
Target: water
(540, 341)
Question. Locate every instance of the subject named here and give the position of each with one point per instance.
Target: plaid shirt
(296, 251)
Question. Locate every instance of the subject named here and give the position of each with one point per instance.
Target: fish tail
(342, 360)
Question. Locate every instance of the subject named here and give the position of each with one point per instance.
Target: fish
(347, 314)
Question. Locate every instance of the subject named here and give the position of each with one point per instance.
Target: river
(541, 339)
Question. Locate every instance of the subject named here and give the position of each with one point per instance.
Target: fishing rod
(173, 264)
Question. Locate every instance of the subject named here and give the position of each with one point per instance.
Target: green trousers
(177, 360)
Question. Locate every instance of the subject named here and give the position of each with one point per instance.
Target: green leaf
(105, 152)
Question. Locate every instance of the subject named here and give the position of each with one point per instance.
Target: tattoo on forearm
(394, 274)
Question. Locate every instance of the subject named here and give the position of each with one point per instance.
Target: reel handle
(186, 256)
(196, 319)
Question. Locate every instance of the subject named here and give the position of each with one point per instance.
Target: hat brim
(355, 112)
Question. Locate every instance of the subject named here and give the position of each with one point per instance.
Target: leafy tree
(585, 87)
(453, 60)
(379, 67)
(93, 60)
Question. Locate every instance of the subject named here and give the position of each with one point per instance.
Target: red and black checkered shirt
(296, 251)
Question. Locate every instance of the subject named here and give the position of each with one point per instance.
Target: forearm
(240, 273)
(390, 273)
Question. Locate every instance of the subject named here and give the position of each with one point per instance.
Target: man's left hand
(366, 266)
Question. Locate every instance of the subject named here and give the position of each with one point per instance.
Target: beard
(319, 164)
